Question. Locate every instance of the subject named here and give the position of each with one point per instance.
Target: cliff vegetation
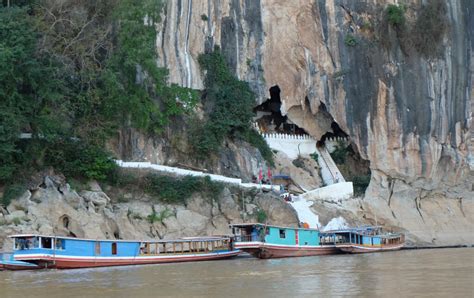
(229, 102)
(72, 72)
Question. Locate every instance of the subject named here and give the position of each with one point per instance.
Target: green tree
(27, 99)
(230, 102)
(396, 14)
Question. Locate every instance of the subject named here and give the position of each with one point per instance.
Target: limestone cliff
(406, 112)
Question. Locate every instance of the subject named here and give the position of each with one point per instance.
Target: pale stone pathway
(305, 214)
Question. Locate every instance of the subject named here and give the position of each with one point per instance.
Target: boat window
(20, 243)
(97, 248)
(28, 242)
(114, 248)
(60, 244)
(46, 243)
(282, 233)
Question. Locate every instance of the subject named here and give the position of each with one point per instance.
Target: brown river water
(407, 273)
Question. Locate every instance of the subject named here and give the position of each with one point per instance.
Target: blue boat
(31, 251)
(367, 239)
(266, 241)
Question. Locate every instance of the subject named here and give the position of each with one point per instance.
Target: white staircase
(329, 171)
(471, 141)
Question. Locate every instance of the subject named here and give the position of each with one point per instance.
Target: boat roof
(355, 229)
(363, 229)
(184, 239)
(243, 225)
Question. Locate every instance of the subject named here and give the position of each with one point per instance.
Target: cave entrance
(64, 221)
(270, 118)
(336, 133)
(347, 158)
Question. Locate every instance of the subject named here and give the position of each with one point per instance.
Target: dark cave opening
(66, 222)
(336, 132)
(346, 155)
(269, 117)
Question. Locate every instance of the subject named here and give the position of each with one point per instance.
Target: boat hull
(18, 265)
(271, 251)
(359, 249)
(70, 262)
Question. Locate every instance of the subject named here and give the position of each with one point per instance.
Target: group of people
(263, 180)
(26, 243)
(287, 197)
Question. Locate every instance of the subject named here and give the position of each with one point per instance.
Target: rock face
(235, 158)
(56, 209)
(406, 112)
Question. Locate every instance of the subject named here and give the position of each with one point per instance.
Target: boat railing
(247, 238)
(191, 245)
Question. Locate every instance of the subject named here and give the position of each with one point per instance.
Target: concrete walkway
(185, 172)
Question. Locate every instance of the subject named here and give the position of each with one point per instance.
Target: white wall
(291, 145)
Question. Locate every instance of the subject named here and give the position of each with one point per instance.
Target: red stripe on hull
(360, 249)
(70, 263)
(271, 252)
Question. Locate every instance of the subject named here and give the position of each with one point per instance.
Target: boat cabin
(366, 236)
(256, 232)
(44, 245)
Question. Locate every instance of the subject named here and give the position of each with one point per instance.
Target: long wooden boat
(39, 251)
(266, 242)
(367, 239)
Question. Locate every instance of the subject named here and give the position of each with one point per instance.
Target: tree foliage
(75, 71)
(339, 154)
(424, 34)
(396, 14)
(230, 103)
(360, 184)
(27, 99)
(178, 190)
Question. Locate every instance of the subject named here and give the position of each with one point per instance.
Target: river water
(420, 273)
